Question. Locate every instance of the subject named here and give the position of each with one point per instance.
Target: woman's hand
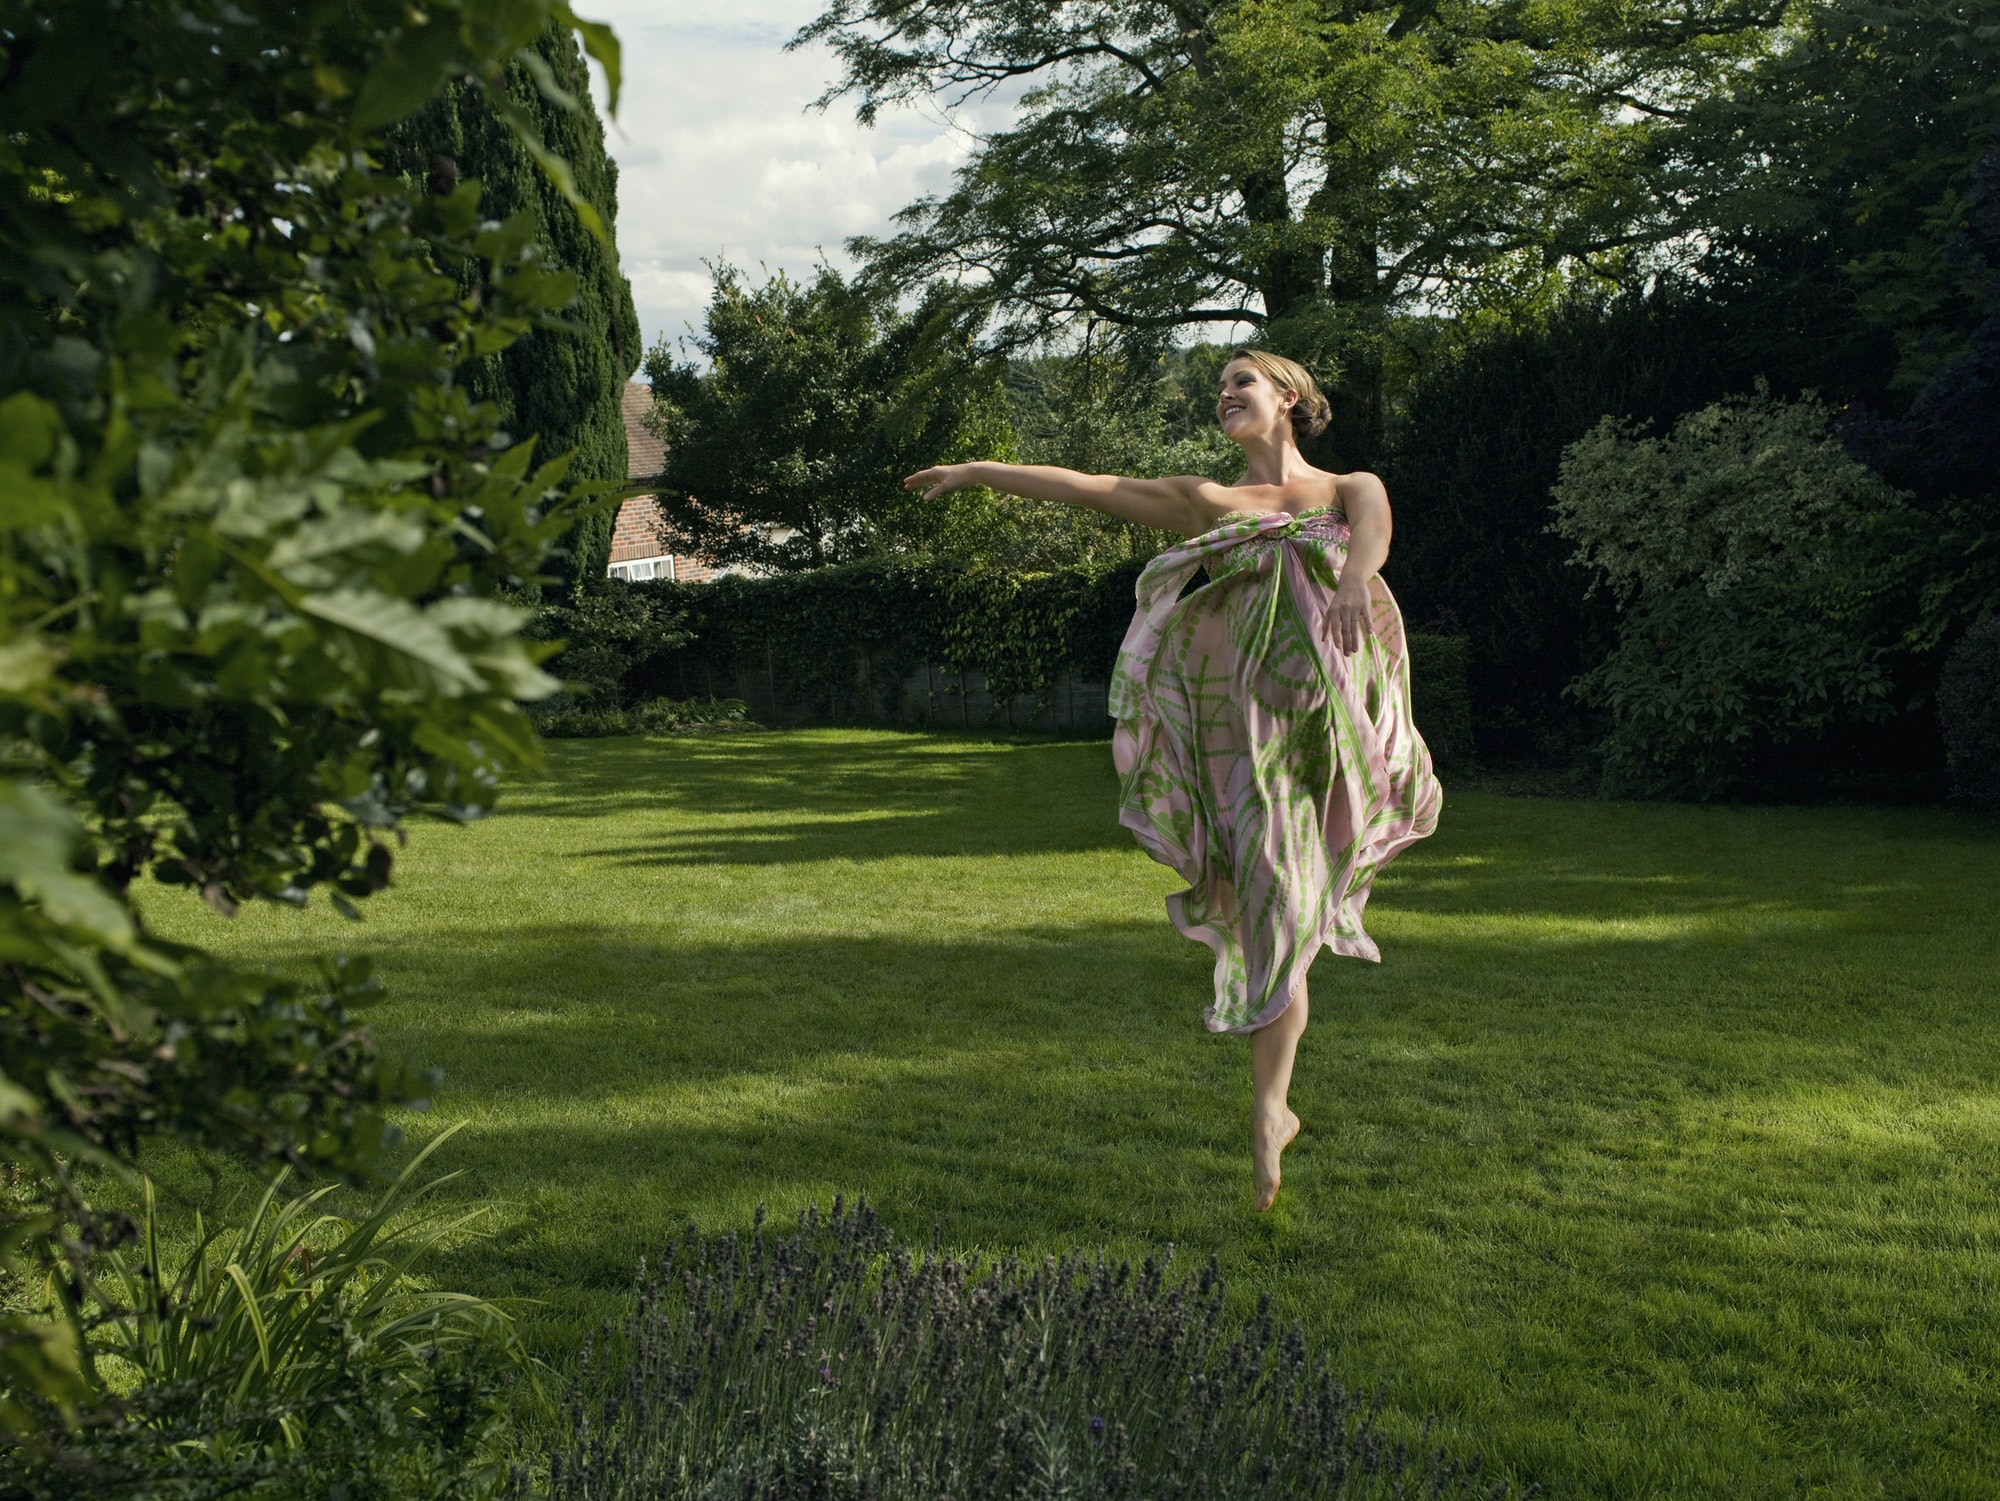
(1169, 504)
(940, 479)
(1351, 621)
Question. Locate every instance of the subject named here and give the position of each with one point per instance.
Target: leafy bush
(1747, 553)
(293, 1355)
(653, 716)
(1475, 441)
(832, 1364)
(1969, 713)
(252, 536)
(807, 629)
(604, 632)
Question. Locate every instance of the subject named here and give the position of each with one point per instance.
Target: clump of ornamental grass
(833, 1364)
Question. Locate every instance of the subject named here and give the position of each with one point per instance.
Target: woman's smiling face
(1248, 405)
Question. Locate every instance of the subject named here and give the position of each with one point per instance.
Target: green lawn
(1661, 1157)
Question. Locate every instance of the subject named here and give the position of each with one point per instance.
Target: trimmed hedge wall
(937, 643)
(1968, 709)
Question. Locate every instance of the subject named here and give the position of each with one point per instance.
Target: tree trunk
(1291, 276)
(1353, 436)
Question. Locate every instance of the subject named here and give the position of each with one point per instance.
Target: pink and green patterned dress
(1274, 773)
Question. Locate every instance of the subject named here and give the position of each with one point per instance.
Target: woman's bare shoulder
(1360, 486)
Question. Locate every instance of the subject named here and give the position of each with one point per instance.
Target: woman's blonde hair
(1310, 411)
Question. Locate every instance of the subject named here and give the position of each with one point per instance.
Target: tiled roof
(645, 455)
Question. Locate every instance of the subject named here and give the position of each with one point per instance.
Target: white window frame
(637, 570)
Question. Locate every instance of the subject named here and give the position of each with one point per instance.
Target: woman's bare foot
(1269, 1138)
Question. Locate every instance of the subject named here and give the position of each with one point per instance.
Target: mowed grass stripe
(1659, 1158)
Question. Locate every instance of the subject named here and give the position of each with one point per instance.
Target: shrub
(293, 1354)
(653, 716)
(832, 1364)
(1969, 713)
(1441, 697)
(606, 631)
(1475, 442)
(1746, 554)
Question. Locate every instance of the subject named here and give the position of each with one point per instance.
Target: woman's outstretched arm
(1170, 504)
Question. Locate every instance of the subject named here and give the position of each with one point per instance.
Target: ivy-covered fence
(940, 644)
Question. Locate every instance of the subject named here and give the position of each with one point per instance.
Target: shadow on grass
(1054, 1083)
(783, 798)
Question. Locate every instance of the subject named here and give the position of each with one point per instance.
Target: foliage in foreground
(252, 536)
(293, 1354)
(834, 1364)
(1748, 553)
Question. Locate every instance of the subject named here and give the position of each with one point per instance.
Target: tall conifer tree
(561, 383)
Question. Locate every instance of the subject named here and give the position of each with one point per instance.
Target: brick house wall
(636, 532)
(636, 550)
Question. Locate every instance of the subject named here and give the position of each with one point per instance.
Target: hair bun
(1310, 414)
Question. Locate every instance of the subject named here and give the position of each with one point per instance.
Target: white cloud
(720, 156)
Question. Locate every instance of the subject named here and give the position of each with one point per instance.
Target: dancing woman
(1264, 736)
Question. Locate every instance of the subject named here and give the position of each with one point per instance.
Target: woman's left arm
(1366, 504)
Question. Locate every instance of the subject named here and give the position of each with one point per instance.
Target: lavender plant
(833, 1364)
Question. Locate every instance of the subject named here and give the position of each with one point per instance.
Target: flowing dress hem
(1210, 658)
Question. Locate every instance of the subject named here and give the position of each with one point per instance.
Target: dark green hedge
(859, 641)
(1441, 696)
(1968, 709)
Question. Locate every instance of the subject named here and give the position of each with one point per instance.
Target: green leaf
(235, 1274)
(38, 1356)
(409, 74)
(38, 840)
(29, 428)
(396, 624)
(601, 43)
(25, 666)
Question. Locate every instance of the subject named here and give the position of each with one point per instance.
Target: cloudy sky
(719, 156)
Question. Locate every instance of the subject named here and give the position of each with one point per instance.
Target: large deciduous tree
(1849, 164)
(1310, 167)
